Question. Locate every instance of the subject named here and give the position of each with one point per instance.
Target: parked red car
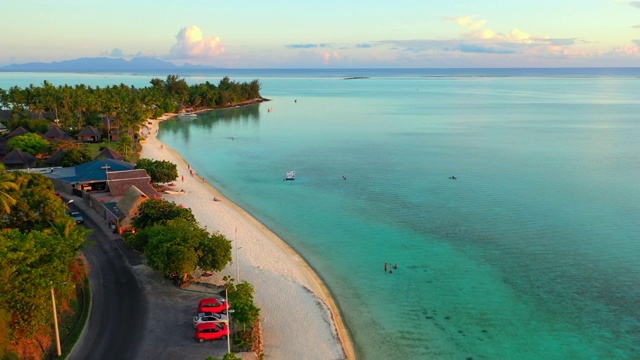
(213, 305)
(211, 331)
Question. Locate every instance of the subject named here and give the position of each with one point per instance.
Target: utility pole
(55, 320)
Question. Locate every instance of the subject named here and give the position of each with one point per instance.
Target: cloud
(635, 4)
(364, 46)
(475, 48)
(306, 46)
(116, 53)
(191, 44)
(637, 42)
(467, 21)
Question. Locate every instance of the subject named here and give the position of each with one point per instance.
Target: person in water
(386, 267)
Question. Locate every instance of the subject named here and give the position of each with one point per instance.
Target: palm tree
(7, 184)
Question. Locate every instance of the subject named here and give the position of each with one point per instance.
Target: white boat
(291, 175)
(187, 116)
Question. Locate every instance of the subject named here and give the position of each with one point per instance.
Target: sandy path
(300, 319)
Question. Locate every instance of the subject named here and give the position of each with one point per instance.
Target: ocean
(508, 198)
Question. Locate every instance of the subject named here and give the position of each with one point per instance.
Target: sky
(328, 33)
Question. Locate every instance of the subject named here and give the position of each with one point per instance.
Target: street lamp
(55, 319)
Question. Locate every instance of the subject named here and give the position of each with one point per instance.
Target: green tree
(160, 171)
(242, 298)
(74, 157)
(159, 211)
(7, 184)
(30, 143)
(176, 249)
(228, 356)
(154, 212)
(125, 145)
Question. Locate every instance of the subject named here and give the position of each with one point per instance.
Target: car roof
(209, 325)
(211, 301)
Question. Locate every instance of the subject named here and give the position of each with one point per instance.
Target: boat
(187, 116)
(291, 175)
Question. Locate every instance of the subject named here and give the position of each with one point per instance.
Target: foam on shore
(300, 319)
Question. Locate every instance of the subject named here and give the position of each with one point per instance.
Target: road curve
(118, 314)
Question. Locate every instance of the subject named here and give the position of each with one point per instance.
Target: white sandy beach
(299, 318)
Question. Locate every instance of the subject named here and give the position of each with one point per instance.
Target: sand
(300, 319)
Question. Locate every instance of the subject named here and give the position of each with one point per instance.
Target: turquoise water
(531, 253)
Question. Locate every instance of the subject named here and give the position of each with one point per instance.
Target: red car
(213, 305)
(211, 331)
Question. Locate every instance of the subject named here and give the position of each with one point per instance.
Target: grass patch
(71, 326)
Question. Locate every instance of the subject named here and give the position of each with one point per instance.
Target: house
(89, 134)
(19, 131)
(17, 159)
(108, 153)
(129, 204)
(119, 182)
(53, 159)
(55, 133)
(90, 177)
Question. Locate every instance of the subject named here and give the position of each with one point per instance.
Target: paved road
(118, 312)
(136, 313)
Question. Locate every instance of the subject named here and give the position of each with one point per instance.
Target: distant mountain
(101, 64)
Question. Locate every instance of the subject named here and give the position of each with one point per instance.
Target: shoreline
(290, 266)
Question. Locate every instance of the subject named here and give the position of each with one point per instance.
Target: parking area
(170, 333)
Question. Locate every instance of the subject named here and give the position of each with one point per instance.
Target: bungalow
(17, 159)
(89, 134)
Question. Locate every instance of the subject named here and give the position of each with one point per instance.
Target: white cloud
(191, 44)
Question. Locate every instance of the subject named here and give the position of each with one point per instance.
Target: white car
(77, 217)
(208, 317)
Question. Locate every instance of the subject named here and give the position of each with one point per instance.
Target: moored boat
(291, 175)
(187, 116)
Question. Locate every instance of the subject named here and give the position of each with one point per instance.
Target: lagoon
(530, 253)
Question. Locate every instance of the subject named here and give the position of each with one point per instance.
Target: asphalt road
(136, 313)
(115, 326)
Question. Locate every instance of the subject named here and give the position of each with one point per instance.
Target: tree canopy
(126, 107)
(30, 143)
(38, 248)
(242, 297)
(179, 247)
(160, 171)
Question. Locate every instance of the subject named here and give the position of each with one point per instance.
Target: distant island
(101, 64)
(356, 77)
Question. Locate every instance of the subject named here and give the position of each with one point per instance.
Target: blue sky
(329, 33)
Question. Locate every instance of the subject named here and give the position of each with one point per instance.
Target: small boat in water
(291, 175)
(187, 116)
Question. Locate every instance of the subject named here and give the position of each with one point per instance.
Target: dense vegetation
(39, 246)
(174, 243)
(160, 171)
(126, 107)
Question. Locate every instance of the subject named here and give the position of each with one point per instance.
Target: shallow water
(531, 253)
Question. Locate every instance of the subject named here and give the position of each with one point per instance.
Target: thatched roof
(54, 158)
(129, 204)
(55, 133)
(108, 153)
(90, 131)
(17, 132)
(19, 159)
